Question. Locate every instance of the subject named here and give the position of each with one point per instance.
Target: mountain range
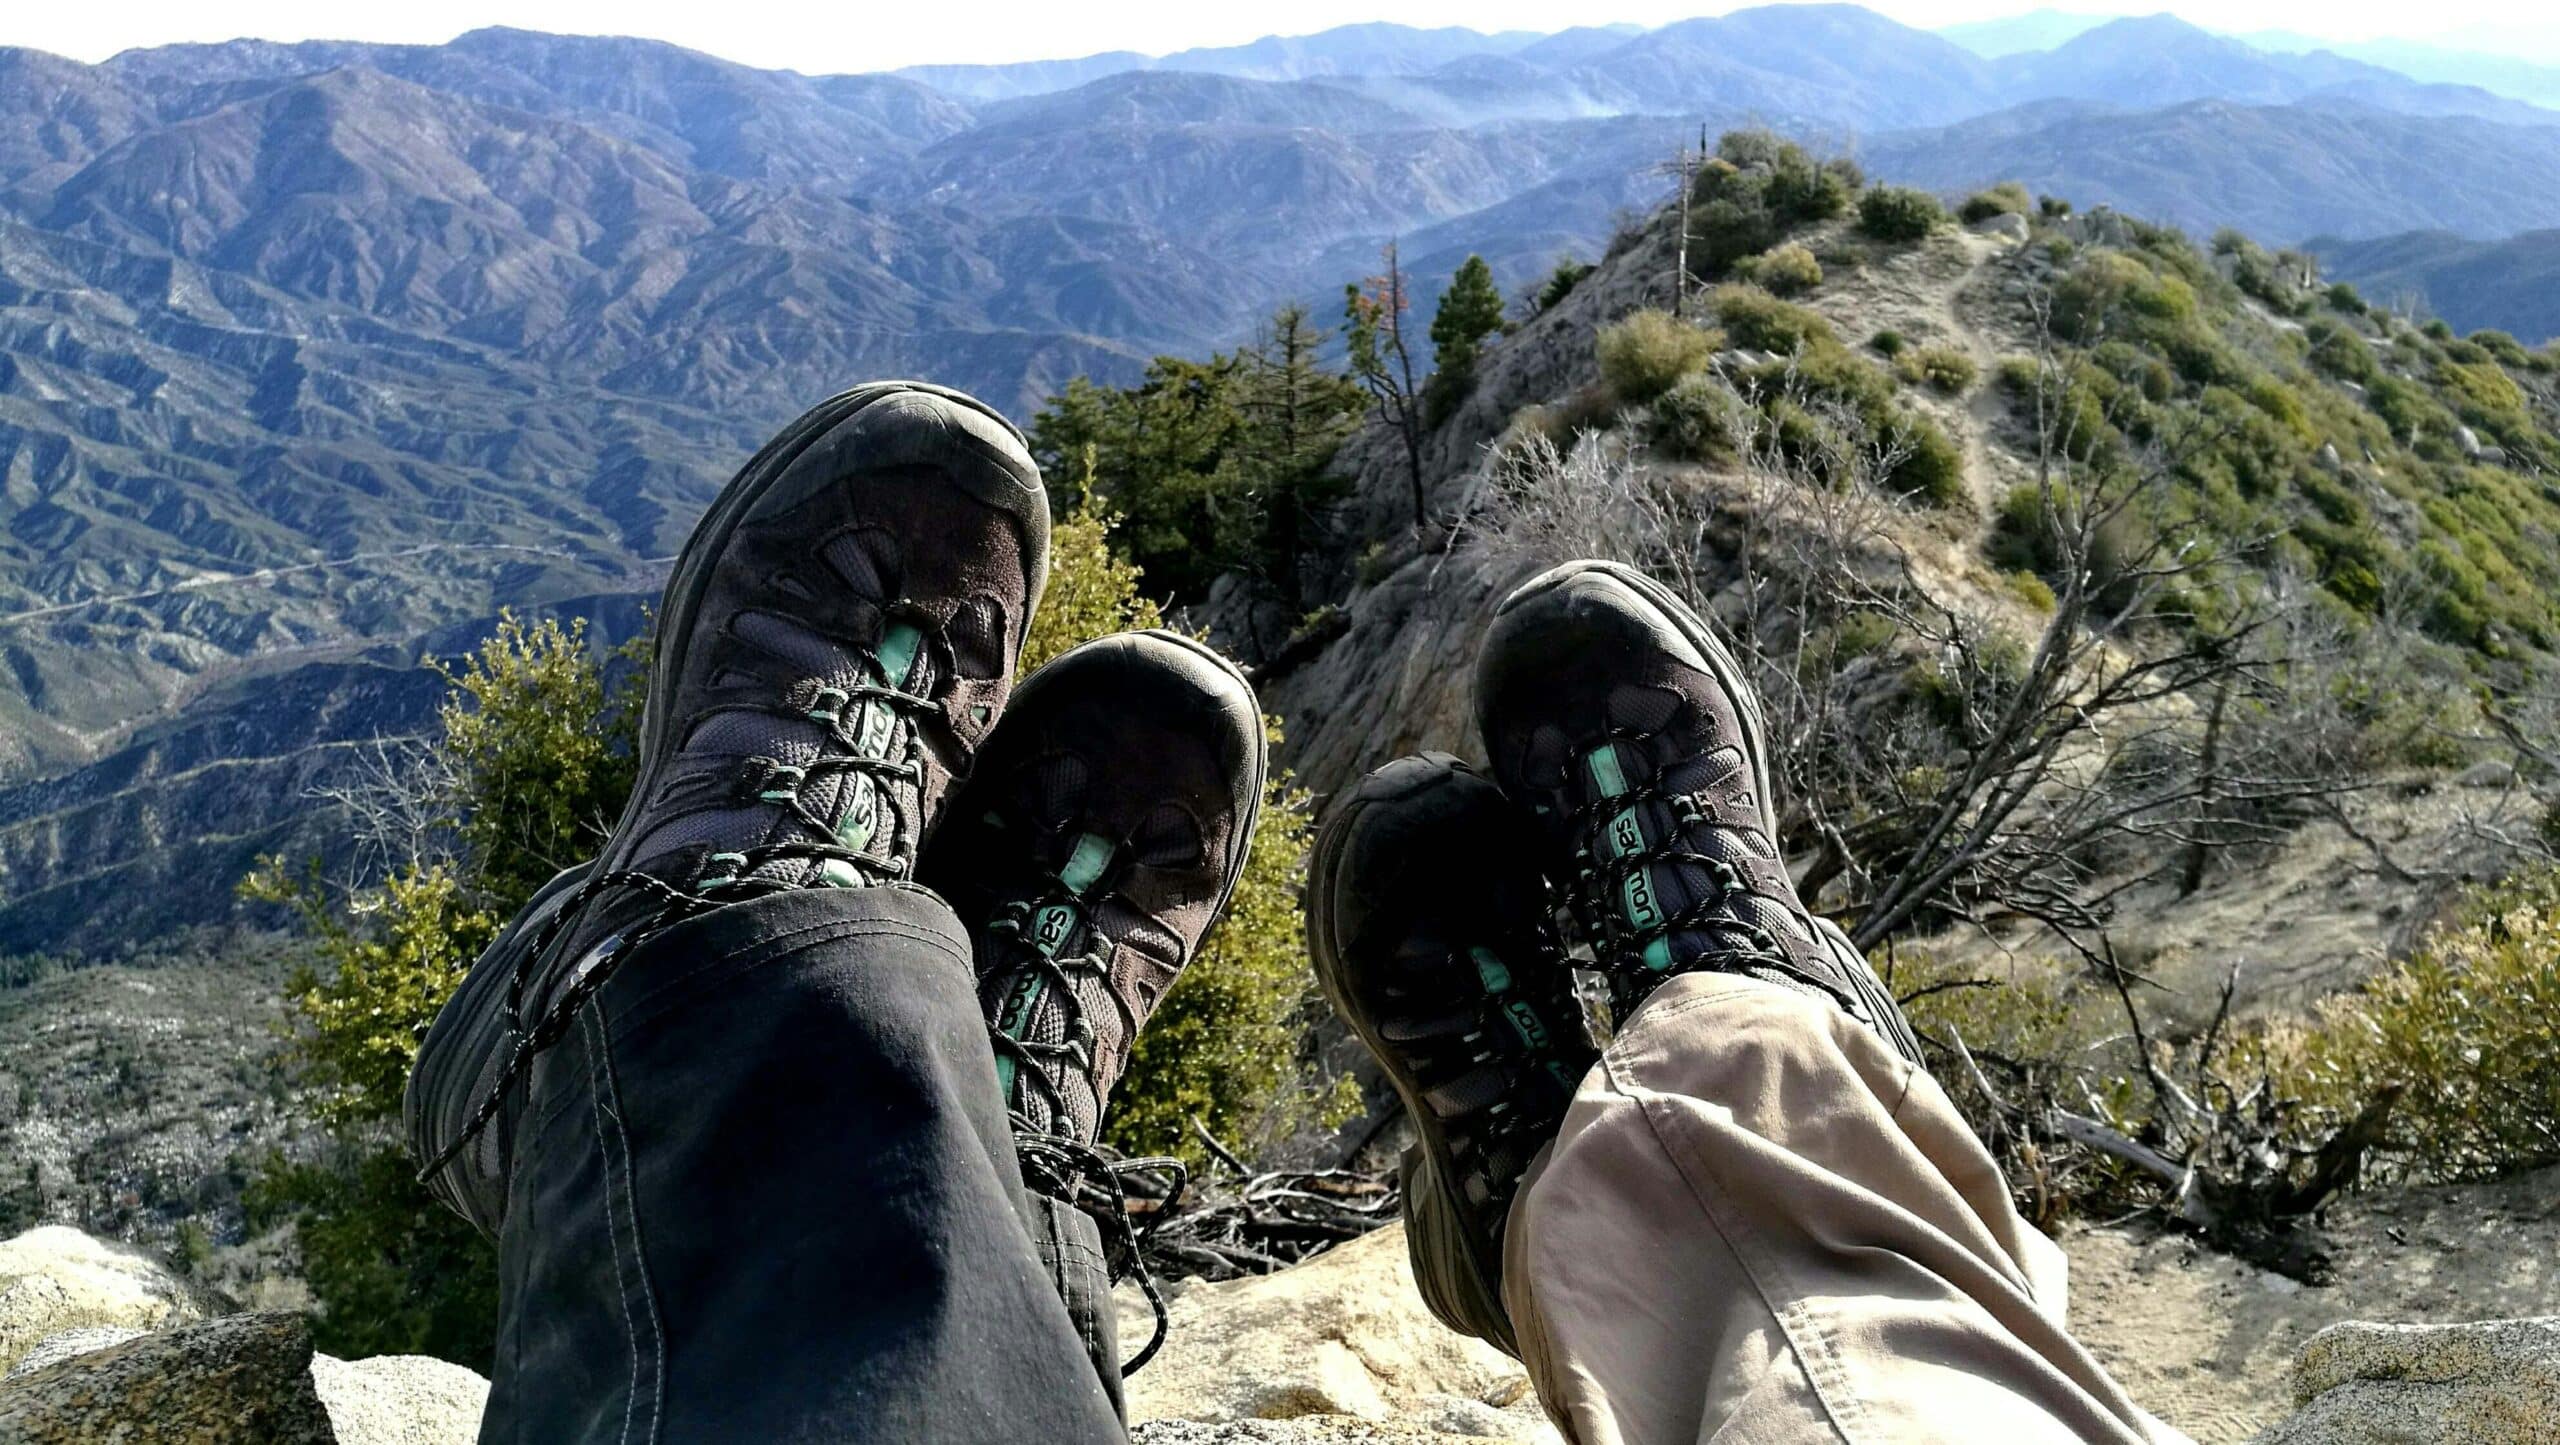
(314, 355)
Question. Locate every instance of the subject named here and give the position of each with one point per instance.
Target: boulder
(400, 1400)
(242, 1380)
(54, 1278)
(1344, 1334)
(2467, 439)
(2495, 1383)
(70, 1345)
(1309, 1430)
(2007, 226)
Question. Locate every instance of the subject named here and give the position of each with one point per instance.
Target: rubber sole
(1480, 1310)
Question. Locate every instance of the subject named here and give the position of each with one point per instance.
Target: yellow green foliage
(1092, 591)
(2468, 1026)
(1753, 318)
(1786, 270)
(1942, 369)
(541, 753)
(1644, 353)
(393, 957)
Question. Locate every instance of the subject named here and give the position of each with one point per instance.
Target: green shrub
(1755, 319)
(1699, 419)
(1561, 281)
(2468, 1028)
(1940, 368)
(2346, 299)
(2030, 589)
(1787, 270)
(2338, 351)
(2028, 536)
(1754, 191)
(1887, 344)
(1643, 353)
(2052, 208)
(1899, 213)
(2502, 347)
(1931, 466)
(2005, 199)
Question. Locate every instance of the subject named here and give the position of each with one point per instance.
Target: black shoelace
(870, 865)
(1089, 1177)
(1621, 945)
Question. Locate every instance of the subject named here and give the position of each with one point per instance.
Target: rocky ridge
(100, 1341)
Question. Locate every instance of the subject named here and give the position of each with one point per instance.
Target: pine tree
(1470, 310)
(1296, 414)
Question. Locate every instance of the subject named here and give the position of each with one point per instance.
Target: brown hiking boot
(837, 638)
(1629, 733)
(1428, 925)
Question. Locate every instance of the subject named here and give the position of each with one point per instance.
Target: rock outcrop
(100, 1341)
(55, 1279)
(1341, 1342)
(241, 1380)
(2494, 1383)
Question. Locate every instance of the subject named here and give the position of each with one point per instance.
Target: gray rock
(2008, 226)
(2328, 458)
(71, 1344)
(2467, 439)
(400, 1400)
(1344, 1334)
(1308, 1430)
(55, 1278)
(2488, 773)
(2494, 1383)
(244, 1380)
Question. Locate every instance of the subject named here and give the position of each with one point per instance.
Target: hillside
(2325, 444)
(314, 356)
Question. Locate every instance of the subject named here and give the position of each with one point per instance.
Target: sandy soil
(2207, 1343)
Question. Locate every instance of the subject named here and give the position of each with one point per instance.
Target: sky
(882, 34)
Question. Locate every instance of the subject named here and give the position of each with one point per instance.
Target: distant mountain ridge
(2511, 285)
(313, 356)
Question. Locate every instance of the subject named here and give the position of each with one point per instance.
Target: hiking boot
(1101, 837)
(836, 640)
(1628, 731)
(1428, 923)
(1097, 844)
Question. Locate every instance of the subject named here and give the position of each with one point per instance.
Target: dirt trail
(2206, 1343)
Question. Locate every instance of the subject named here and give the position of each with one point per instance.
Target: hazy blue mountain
(2515, 77)
(2281, 173)
(2159, 60)
(2512, 285)
(1368, 49)
(2016, 34)
(1826, 64)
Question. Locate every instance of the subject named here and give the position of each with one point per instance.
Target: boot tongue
(1032, 1010)
(865, 808)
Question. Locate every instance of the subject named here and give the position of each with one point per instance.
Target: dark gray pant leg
(764, 1190)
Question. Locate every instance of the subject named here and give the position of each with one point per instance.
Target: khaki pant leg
(1759, 1224)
